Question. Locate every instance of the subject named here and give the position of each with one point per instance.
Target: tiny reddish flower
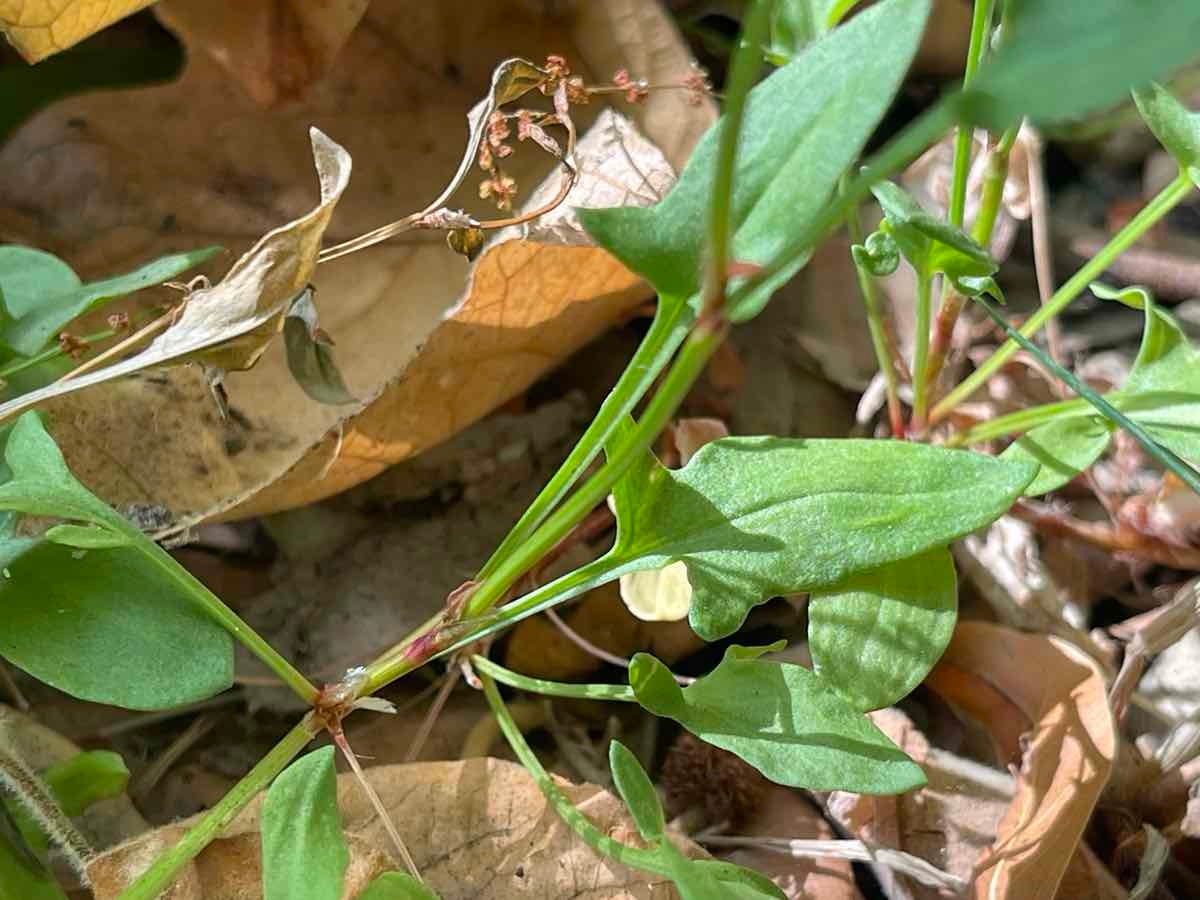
(698, 85)
(635, 91)
(501, 188)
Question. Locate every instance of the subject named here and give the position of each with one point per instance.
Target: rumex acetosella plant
(862, 526)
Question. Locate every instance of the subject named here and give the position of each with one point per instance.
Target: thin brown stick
(139, 336)
(450, 679)
(14, 692)
(188, 738)
(1117, 538)
(599, 652)
(339, 738)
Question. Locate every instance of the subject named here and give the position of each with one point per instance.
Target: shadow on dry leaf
(1044, 703)
(478, 830)
(112, 178)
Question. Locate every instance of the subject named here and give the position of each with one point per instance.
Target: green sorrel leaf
(782, 719)
(1176, 127)
(304, 853)
(86, 778)
(804, 126)
(637, 791)
(42, 299)
(756, 517)
(1062, 59)
(930, 244)
(1062, 449)
(876, 636)
(108, 625)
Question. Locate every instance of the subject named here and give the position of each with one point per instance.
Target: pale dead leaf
(478, 829)
(228, 326)
(275, 50)
(787, 812)
(949, 822)
(1046, 696)
(41, 28)
(103, 181)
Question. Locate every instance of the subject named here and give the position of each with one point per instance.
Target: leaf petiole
(619, 692)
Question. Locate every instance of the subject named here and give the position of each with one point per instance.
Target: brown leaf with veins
(274, 49)
(41, 28)
(478, 830)
(431, 341)
(948, 822)
(1044, 702)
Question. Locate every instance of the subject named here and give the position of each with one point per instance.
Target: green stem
(26, 362)
(671, 321)
(1019, 422)
(980, 20)
(401, 659)
(921, 347)
(619, 692)
(992, 189)
(226, 617)
(742, 73)
(952, 303)
(567, 811)
(1163, 203)
(699, 347)
(875, 324)
(1156, 451)
(166, 867)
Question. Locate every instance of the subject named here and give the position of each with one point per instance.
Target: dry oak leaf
(41, 28)
(949, 822)
(274, 50)
(110, 179)
(478, 829)
(1046, 697)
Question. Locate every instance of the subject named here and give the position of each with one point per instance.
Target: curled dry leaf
(1042, 695)
(785, 812)
(227, 327)
(478, 830)
(41, 28)
(429, 341)
(949, 822)
(275, 50)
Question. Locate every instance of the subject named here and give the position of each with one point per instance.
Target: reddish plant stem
(952, 301)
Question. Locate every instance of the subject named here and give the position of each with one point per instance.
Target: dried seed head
(577, 92)
(698, 84)
(500, 188)
(71, 345)
(556, 67)
(635, 91)
(697, 775)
